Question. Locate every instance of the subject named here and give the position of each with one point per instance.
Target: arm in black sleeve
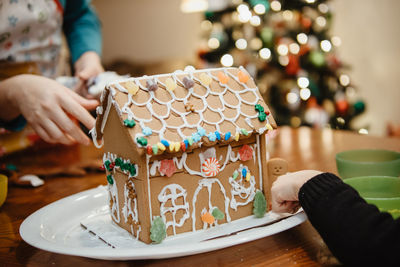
(355, 232)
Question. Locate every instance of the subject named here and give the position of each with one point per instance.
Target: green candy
(235, 175)
(158, 231)
(107, 165)
(244, 131)
(217, 214)
(129, 123)
(259, 108)
(259, 205)
(110, 179)
(142, 141)
(132, 169)
(262, 116)
(118, 162)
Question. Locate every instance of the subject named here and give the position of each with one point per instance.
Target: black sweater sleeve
(355, 232)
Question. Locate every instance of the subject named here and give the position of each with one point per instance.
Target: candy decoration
(183, 146)
(158, 231)
(237, 135)
(227, 136)
(141, 141)
(165, 142)
(201, 131)
(161, 146)
(189, 107)
(205, 79)
(177, 146)
(243, 77)
(132, 88)
(235, 175)
(248, 176)
(186, 143)
(129, 123)
(268, 126)
(217, 214)
(170, 84)
(207, 218)
(210, 167)
(259, 204)
(218, 135)
(110, 179)
(244, 131)
(187, 82)
(167, 167)
(107, 165)
(147, 131)
(149, 150)
(171, 147)
(212, 137)
(262, 116)
(155, 149)
(244, 172)
(151, 84)
(245, 153)
(259, 108)
(196, 137)
(190, 140)
(223, 78)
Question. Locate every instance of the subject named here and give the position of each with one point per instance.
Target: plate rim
(30, 232)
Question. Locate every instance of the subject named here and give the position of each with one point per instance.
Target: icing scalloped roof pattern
(173, 120)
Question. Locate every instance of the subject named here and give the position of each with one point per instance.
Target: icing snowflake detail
(196, 137)
(210, 167)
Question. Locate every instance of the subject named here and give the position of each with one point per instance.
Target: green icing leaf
(218, 215)
(259, 204)
(158, 231)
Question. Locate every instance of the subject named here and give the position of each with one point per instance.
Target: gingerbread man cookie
(276, 167)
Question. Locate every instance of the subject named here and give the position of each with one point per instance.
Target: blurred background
(318, 63)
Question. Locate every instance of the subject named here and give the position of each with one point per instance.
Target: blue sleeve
(82, 28)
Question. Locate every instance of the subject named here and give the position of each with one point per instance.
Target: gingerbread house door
(209, 195)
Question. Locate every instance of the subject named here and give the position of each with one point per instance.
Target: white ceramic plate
(57, 228)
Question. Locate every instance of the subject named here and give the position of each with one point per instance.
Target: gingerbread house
(183, 151)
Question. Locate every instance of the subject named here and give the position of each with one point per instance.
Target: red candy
(246, 153)
(183, 146)
(149, 150)
(167, 167)
(112, 165)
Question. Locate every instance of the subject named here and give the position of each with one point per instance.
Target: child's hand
(88, 66)
(47, 106)
(285, 190)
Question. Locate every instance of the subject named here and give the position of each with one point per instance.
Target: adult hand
(48, 107)
(285, 190)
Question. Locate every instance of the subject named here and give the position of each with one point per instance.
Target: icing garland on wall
(188, 82)
(243, 185)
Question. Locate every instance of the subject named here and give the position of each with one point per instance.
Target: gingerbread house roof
(186, 109)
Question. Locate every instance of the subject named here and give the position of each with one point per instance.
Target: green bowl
(382, 191)
(366, 162)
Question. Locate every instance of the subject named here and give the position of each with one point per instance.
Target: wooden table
(304, 148)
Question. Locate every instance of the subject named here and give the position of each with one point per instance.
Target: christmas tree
(287, 47)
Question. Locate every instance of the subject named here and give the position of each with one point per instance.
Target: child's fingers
(86, 103)
(54, 132)
(42, 133)
(70, 129)
(78, 111)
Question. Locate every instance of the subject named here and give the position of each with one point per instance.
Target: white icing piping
(238, 188)
(208, 182)
(164, 197)
(259, 161)
(148, 187)
(161, 118)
